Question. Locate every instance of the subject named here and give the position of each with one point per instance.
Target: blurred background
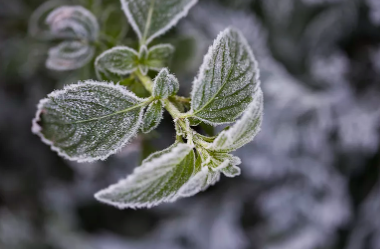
(310, 180)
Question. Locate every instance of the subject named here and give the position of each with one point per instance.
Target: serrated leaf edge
(206, 60)
(148, 165)
(37, 129)
(162, 31)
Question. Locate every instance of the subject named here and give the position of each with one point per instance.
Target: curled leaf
(165, 84)
(88, 121)
(73, 22)
(227, 80)
(157, 180)
(69, 55)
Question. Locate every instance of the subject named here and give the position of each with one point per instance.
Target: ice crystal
(88, 121)
(152, 18)
(157, 180)
(227, 80)
(165, 84)
(152, 116)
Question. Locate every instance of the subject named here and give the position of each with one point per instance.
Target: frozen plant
(92, 120)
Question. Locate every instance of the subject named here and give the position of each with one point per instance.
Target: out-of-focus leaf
(157, 180)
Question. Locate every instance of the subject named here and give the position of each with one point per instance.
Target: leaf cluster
(92, 120)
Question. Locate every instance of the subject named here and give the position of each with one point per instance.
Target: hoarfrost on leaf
(69, 55)
(244, 130)
(152, 18)
(227, 80)
(88, 121)
(117, 60)
(153, 116)
(157, 180)
(165, 84)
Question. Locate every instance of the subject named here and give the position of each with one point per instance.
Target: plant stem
(148, 84)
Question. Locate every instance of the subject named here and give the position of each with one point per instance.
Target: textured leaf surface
(88, 121)
(199, 182)
(157, 180)
(227, 80)
(117, 60)
(152, 116)
(165, 84)
(151, 18)
(73, 21)
(69, 55)
(244, 130)
(159, 56)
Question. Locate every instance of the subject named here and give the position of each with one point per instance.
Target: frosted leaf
(69, 55)
(153, 116)
(227, 80)
(159, 56)
(117, 60)
(88, 121)
(157, 180)
(225, 163)
(244, 130)
(165, 84)
(152, 18)
(74, 22)
(199, 182)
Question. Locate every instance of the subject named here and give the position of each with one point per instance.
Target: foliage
(92, 120)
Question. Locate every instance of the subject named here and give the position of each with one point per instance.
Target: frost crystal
(118, 60)
(244, 130)
(165, 84)
(88, 121)
(71, 22)
(157, 180)
(153, 116)
(69, 55)
(152, 18)
(227, 80)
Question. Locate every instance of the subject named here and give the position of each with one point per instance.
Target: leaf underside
(157, 180)
(88, 121)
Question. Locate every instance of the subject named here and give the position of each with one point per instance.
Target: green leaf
(157, 180)
(165, 84)
(159, 56)
(69, 55)
(227, 80)
(244, 130)
(88, 121)
(153, 116)
(152, 18)
(199, 182)
(117, 60)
